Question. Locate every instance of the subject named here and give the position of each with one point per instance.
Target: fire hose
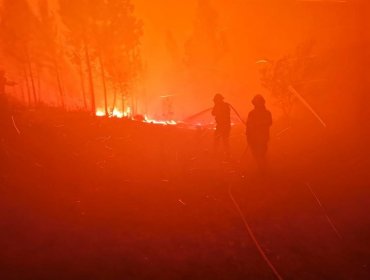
(240, 212)
(253, 237)
(237, 114)
(209, 109)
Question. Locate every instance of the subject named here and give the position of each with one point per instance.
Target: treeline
(94, 41)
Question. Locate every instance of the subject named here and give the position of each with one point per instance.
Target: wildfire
(116, 113)
(170, 122)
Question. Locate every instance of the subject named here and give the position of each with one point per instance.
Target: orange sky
(253, 30)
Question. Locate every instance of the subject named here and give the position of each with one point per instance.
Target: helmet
(218, 97)
(258, 100)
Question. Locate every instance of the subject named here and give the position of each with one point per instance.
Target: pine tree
(77, 15)
(49, 53)
(108, 34)
(17, 33)
(117, 42)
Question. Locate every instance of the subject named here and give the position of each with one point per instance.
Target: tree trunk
(31, 78)
(22, 93)
(59, 81)
(82, 83)
(114, 95)
(38, 76)
(114, 85)
(91, 82)
(122, 97)
(104, 84)
(123, 103)
(27, 85)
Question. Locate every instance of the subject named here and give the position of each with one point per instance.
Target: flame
(169, 122)
(100, 113)
(117, 113)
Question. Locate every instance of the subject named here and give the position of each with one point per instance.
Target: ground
(87, 198)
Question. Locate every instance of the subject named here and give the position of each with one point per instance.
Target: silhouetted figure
(258, 130)
(4, 82)
(3, 98)
(221, 112)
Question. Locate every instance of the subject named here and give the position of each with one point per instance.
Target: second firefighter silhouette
(4, 106)
(258, 130)
(221, 112)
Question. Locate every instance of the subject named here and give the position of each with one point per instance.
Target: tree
(117, 41)
(77, 16)
(108, 34)
(49, 53)
(287, 73)
(17, 33)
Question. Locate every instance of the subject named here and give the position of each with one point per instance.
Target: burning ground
(98, 198)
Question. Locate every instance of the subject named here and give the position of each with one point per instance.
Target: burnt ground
(84, 198)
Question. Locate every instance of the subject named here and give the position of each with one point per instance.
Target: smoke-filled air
(197, 139)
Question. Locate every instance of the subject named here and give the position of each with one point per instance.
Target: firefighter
(221, 112)
(258, 130)
(3, 99)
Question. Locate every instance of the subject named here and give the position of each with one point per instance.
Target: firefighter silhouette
(221, 112)
(258, 130)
